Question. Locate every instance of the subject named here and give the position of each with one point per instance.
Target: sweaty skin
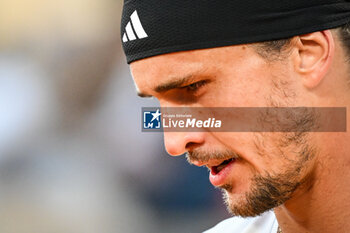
(314, 73)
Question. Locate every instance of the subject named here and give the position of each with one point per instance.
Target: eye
(195, 86)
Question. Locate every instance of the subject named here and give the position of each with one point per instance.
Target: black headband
(154, 27)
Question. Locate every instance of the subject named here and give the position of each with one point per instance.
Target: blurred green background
(72, 155)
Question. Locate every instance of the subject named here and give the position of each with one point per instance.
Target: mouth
(215, 170)
(220, 168)
(219, 174)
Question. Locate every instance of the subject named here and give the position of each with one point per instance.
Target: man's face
(256, 171)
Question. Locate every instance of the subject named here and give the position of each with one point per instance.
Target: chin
(237, 205)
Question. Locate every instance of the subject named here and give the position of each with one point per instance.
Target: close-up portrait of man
(254, 54)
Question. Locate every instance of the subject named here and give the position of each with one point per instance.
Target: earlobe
(315, 55)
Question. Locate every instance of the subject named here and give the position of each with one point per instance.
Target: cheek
(274, 152)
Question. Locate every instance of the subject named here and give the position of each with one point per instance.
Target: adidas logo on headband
(134, 27)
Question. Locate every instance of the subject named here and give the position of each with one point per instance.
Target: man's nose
(177, 143)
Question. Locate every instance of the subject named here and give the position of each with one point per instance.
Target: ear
(314, 57)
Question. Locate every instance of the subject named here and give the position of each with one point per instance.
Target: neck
(322, 204)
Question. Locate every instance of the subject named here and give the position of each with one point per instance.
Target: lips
(220, 169)
(216, 169)
(219, 174)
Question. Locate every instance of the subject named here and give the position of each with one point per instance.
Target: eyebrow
(173, 84)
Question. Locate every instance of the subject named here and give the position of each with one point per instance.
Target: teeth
(223, 165)
(219, 168)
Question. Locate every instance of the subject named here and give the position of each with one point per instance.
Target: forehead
(196, 62)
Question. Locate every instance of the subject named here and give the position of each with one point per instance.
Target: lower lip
(219, 179)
